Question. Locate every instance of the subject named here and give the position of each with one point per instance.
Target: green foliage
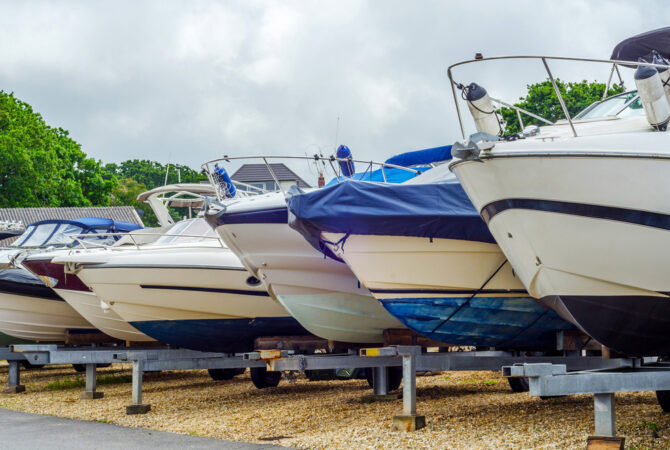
(43, 166)
(543, 101)
(152, 174)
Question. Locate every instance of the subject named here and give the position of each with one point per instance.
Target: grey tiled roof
(250, 173)
(29, 215)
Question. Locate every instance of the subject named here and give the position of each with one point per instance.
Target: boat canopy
(418, 160)
(435, 210)
(189, 230)
(642, 45)
(421, 157)
(57, 232)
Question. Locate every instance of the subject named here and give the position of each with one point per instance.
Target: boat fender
(347, 167)
(482, 110)
(224, 182)
(663, 72)
(655, 103)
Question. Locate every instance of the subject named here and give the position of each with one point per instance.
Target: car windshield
(191, 230)
(613, 107)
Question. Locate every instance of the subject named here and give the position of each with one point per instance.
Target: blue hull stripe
(634, 216)
(204, 289)
(511, 322)
(219, 335)
(448, 291)
(275, 215)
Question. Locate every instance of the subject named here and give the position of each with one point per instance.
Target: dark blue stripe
(448, 291)
(219, 335)
(634, 216)
(276, 215)
(204, 289)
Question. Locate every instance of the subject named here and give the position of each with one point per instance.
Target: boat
(185, 289)
(29, 308)
(78, 295)
(320, 292)
(579, 206)
(422, 250)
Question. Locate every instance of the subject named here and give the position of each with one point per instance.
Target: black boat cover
(19, 281)
(642, 45)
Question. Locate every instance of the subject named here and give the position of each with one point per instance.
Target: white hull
(38, 319)
(293, 270)
(585, 223)
(322, 314)
(412, 263)
(109, 322)
(177, 284)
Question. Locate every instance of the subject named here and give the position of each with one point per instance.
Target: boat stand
(548, 380)
(413, 360)
(143, 360)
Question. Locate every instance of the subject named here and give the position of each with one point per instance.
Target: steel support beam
(604, 414)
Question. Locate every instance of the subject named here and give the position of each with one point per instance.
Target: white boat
(84, 301)
(317, 289)
(321, 293)
(426, 255)
(580, 210)
(29, 308)
(185, 289)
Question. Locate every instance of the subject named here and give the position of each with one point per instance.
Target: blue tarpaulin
(392, 175)
(435, 210)
(421, 157)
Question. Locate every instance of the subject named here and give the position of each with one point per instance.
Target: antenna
(167, 169)
(337, 131)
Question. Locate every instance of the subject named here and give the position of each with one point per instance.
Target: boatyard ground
(462, 409)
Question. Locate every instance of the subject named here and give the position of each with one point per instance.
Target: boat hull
(588, 234)
(39, 319)
(321, 293)
(454, 291)
(70, 288)
(206, 306)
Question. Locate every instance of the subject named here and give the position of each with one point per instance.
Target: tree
(152, 173)
(543, 101)
(43, 166)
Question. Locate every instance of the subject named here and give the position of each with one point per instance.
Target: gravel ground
(462, 409)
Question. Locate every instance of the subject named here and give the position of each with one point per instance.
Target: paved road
(31, 431)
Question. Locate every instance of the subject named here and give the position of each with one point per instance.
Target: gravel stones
(462, 409)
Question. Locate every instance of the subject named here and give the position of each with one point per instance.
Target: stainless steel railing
(543, 59)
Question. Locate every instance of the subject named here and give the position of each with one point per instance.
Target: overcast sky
(199, 79)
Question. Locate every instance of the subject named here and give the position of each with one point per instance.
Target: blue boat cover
(421, 157)
(89, 223)
(435, 210)
(392, 175)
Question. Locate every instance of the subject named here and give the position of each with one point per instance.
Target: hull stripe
(204, 289)
(448, 291)
(633, 216)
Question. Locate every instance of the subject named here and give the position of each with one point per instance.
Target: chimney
(322, 180)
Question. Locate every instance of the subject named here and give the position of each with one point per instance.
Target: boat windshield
(614, 106)
(58, 235)
(191, 230)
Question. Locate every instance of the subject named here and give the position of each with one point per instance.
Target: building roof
(26, 216)
(251, 173)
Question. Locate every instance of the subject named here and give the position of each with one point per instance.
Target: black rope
(478, 291)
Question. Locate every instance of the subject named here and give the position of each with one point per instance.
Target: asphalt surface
(32, 431)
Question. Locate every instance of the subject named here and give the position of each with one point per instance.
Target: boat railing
(326, 162)
(544, 60)
(87, 244)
